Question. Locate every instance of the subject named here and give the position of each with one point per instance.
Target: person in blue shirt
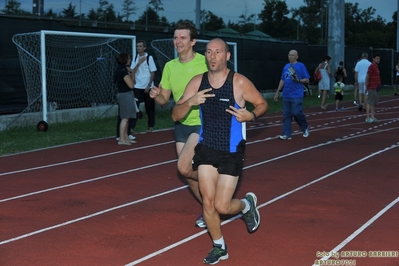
(293, 77)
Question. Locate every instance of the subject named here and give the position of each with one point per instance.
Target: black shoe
(251, 217)
(216, 254)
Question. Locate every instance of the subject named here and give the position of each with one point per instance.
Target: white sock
(220, 242)
(247, 205)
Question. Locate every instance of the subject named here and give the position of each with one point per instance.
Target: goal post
(68, 70)
(165, 51)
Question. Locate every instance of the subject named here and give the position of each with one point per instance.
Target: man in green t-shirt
(175, 77)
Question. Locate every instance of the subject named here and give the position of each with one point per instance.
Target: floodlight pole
(397, 28)
(336, 29)
(198, 15)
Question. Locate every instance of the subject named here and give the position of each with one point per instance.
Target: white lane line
(149, 256)
(180, 188)
(85, 181)
(153, 165)
(358, 231)
(90, 216)
(149, 166)
(84, 159)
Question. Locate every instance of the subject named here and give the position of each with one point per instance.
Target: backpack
(340, 71)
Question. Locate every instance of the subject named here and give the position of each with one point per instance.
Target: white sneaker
(118, 139)
(306, 133)
(284, 137)
(131, 137)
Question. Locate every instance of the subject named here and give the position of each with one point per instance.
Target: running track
(97, 203)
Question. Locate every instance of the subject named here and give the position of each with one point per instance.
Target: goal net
(66, 70)
(165, 51)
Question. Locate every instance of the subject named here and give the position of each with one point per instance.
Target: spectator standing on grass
(221, 95)
(175, 77)
(339, 93)
(293, 76)
(373, 84)
(324, 83)
(360, 77)
(125, 97)
(396, 83)
(340, 71)
(143, 67)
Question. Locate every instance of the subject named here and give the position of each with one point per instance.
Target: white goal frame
(43, 58)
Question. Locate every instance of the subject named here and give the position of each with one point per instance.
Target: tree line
(306, 23)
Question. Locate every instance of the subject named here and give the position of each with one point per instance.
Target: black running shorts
(227, 163)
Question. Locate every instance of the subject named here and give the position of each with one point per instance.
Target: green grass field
(16, 140)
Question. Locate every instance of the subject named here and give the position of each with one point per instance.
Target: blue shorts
(227, 163)
(182, 132)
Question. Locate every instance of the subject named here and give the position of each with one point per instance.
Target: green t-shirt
(175, 77)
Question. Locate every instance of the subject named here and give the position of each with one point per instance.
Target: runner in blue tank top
(221, 96)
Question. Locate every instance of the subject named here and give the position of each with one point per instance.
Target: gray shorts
(182, 132)
(372, 97)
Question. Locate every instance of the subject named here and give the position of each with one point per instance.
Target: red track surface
(97, 203)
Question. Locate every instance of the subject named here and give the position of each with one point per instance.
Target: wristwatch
(254, 118)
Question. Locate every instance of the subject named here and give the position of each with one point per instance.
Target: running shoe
(200, 222)
(216, 254)
(369, 120)
(285, 137)
(251, 217)
(131, 137)
(375, 120)
(355, 103)
(306, 133)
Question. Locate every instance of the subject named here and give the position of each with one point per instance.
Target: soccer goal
(165, 51)
(68, 70)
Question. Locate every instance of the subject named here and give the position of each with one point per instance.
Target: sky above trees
(229, 10)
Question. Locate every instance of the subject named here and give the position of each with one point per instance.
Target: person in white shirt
(360, 77)
(143, 67)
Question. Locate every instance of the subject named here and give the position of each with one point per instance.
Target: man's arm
(190, 98)
(160, 95)
(279, 88)
(245, 91)
(150, 82)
